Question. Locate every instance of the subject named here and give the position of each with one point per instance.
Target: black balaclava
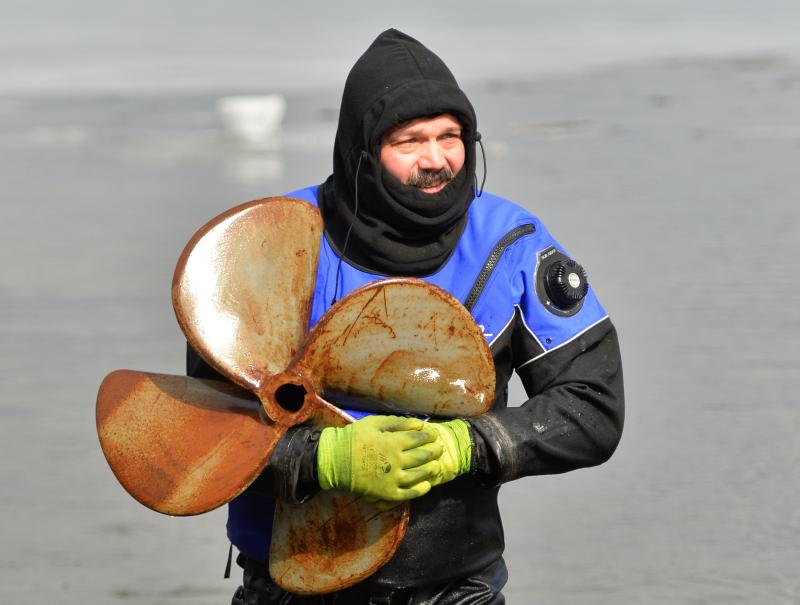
(398, 230)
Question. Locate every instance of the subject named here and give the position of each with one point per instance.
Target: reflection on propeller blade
(243, 287)
(180, 445)
(404, 342)
(334, 540)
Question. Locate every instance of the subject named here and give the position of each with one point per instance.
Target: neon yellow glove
(386, 458)
(456, 459)
(456, 456)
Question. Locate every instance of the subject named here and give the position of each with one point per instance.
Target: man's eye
(405, 144)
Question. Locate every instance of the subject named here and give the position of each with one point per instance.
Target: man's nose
(431, 157)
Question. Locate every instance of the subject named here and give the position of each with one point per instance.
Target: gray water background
(671, 177)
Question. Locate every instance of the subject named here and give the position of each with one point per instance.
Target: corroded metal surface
(243, 286)
(181, 445)
(334, 540)
(402, 344)
(242, 293)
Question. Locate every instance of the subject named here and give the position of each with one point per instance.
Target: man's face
(425, 153)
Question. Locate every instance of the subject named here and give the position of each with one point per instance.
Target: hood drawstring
(479, 192)
(361, 156)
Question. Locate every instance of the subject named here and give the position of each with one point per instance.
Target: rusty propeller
(242, 293)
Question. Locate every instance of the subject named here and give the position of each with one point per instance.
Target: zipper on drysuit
(492, 260)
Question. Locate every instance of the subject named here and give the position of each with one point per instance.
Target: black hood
(398, 230)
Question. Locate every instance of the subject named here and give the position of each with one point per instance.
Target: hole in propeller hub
(290, 396)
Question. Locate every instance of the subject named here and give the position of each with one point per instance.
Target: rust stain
(394, 360)
(358, 317)
(297, 540)
(346, 333)
(342, 532)
(430, 326)
(325, 539)
(196, 477)
(256, 317)
(375, 319)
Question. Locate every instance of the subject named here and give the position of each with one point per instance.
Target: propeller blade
(401, 345)
(335, 539)
(243, 287)
(180, 445)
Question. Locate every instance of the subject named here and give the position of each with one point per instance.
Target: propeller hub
(288, 398)
(291, 396)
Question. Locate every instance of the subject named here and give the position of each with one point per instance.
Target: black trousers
(482, 588)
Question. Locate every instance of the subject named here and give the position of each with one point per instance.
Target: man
(402, 200)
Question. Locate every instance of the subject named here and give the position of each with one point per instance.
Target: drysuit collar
(397, 230)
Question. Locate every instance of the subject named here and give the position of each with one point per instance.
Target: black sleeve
(196, 367)
(573, 418)
(291, 473)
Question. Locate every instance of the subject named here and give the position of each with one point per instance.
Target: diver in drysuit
(403, 200)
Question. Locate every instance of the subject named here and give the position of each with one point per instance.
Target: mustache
(423, 179)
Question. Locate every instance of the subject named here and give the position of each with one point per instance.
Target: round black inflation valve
(566, 283)
(561, 283)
